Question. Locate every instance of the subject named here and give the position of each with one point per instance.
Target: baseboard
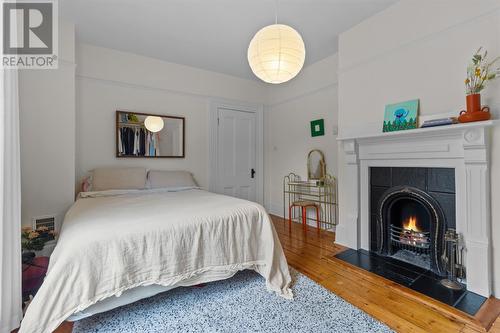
(275, 210)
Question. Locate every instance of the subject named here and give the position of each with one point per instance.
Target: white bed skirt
(138, 293)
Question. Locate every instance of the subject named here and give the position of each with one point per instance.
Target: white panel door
(236, 162)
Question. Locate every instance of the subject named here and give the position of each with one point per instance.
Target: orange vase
(474, 111)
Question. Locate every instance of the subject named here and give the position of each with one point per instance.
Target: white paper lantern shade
(153, 124)
(276, 53)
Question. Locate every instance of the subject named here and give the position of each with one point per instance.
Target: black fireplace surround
(411, 208)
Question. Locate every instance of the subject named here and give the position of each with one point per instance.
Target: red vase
(474, 111)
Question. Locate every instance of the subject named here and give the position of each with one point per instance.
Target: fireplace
(412, 208)
(450, 163)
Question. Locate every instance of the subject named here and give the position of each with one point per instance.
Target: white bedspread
(114, 241)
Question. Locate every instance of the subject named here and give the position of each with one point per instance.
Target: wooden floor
(402, 309)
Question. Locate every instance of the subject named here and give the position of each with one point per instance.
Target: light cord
(275, 11)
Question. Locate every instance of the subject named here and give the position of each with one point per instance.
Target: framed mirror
(149, 135)
(316, 167)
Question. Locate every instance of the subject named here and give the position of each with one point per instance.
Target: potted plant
(34, 240)
(479, 73)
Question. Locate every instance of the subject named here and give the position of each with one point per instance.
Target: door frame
(213, 142)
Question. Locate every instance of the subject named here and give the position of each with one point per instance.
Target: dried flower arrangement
(480, 71)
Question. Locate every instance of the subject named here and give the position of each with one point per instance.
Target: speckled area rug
(239, 304)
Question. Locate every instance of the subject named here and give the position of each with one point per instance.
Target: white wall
(47, 125)
(287, 140)
(418, 49)
(108, 80)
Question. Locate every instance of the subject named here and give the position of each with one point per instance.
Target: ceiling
(211, 34)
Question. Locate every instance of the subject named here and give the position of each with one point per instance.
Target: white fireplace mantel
(463, 147)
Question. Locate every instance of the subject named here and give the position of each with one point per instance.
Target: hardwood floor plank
(395, 303)
(495, 328)
(389, 318)
(489, 312)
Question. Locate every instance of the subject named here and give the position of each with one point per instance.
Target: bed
(118, 246)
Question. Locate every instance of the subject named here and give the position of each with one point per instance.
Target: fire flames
(411, 224)
(411, 234)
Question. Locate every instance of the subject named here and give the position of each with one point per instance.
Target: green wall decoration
(317, 127)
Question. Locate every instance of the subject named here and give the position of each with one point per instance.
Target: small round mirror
(316, 167)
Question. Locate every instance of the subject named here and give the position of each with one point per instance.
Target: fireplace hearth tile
(344, 254)
(375, 264)
(399, 264)
(361, 260)
(413, 277)
(405, 278)
(470, 303)
(433, 288)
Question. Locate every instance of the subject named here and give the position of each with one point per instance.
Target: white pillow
(170, 179)
(118, 179)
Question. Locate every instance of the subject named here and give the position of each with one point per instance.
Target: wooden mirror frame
(117, 126)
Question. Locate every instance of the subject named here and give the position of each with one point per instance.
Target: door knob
(252, 173)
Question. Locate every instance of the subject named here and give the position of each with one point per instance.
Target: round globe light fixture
(276, 53)
(153, 124)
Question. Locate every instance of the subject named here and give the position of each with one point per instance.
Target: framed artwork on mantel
(401, 116)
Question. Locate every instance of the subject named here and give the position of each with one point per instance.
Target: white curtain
(10, 203)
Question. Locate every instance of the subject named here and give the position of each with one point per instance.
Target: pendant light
(153, 124)
(276, 53)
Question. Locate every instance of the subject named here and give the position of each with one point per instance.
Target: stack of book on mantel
(440, 122)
